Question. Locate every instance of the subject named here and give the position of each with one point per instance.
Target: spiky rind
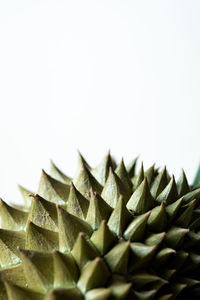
(109, 233)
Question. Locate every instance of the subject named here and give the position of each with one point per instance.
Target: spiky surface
(107, 234)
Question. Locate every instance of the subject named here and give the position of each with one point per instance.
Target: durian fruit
(109, 233)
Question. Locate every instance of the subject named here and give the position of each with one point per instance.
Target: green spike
(120, 290)
(186, 217)
(141, 200)
(122, 173)
(154, 238)
(38, 269)
(165, 297)
(197, 177)
(98, 294)
(9, 241)
(182, 184)
(144, 295)
(136, 229)
(118, 257)
(66, 272)
(192, 240)
(162, 256)
(195, 258)
(195, 224)
(91, 275)
(56, 173)
(18, 293)
(172, 209)
(141, 279)
(102, 170)
(82, 161)
(177, 288)
(190, 282)
(69, 227)
(26, 196)
(168, 273)
(149, 174)
(83, 250)
(193, 263)
(141, 255)
(197, 212)
(43, 213)
(157, 220)
(169, 194)
(97, 211)
(178, 259)
(119, 217)
(77, 204)
(40, 239)
(131, 167)
(64, 293)
(175, 236)
(195, 194)
(12, 218)
(158, 285)
(159, 183)
(112, 189)
(53, 190)
(84, 181)
(103, 238)
(140, 177)
(14, 274)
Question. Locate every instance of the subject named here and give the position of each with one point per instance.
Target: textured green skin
(107, 234)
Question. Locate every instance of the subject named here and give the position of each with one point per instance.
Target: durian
(109, 233)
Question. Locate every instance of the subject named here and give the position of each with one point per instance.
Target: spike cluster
(109, 233)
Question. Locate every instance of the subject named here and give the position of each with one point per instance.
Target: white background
(94, 75)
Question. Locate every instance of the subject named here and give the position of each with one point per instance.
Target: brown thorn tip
(44, 173)
(58, 207)
(110, 170)
(162, 204)
(98, 259)
(121, 197)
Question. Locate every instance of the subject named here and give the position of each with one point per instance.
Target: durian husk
(108, 233)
